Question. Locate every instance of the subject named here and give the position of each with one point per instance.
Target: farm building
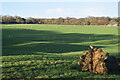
(113, 23)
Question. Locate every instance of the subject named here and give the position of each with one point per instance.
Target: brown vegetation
(96, 61)
(63, 21)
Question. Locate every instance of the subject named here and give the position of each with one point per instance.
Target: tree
(31, 20)
(90, 20)
(8, 20)
(20, 20)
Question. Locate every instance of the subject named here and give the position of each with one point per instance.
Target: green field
(51, 51)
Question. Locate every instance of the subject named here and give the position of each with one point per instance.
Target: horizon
(60, 9)
(60, 17)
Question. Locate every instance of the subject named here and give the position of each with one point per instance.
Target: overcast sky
(61, 9)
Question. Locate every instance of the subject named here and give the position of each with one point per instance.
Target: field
(51, 51)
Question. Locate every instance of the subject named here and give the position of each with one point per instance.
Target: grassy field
(51, 51)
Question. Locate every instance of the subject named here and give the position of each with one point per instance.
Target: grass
(51, 51)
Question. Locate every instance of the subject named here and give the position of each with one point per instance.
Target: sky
(60, 9)
(59, 0)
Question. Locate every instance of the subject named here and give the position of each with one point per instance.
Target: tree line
(63, 21)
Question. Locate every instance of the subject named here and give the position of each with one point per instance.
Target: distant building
(113, 23)
(39, 22)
